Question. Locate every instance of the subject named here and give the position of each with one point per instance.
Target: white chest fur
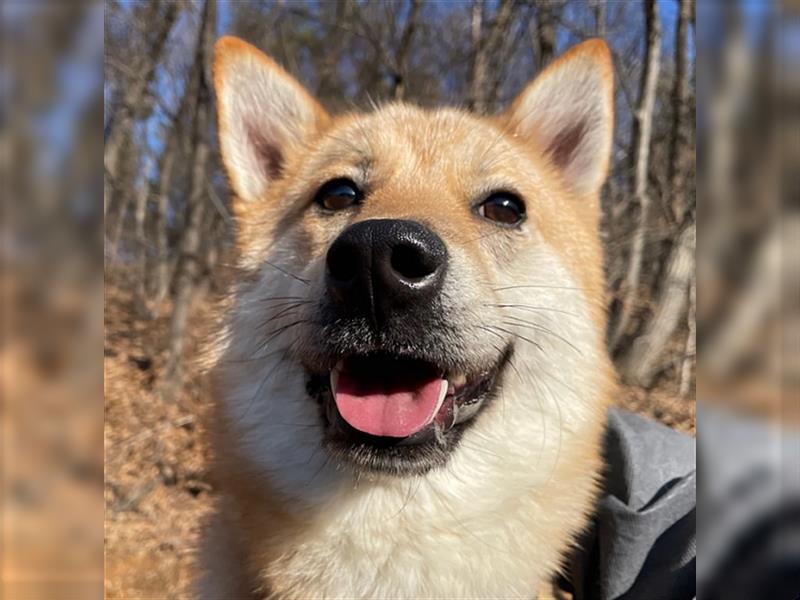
(411, 541)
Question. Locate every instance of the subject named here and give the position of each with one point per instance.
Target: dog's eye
(504, 208)
(338, 194)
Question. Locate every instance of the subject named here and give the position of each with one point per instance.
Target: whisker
(259, 389)
(273, 334)
(482, 450)
(283, 305)
(560, 427)
(489, 330)
(532, 308)
(516, 335)
(409, 498)
(313, 454)
(285, 272)
(270, 298)
(541, 411)
(287, 310)
(542, 329)
(555, 379)
(237, 361)
(271, 425)
(549, 287)
(318, 471)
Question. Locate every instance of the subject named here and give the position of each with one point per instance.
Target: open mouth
(401, 398)
(399, 414)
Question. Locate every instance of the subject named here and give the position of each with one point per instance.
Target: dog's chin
(399, 415)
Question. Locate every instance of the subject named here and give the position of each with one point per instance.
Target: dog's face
(407, 268)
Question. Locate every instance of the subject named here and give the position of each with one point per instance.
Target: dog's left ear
(568, 112)
(263, 113)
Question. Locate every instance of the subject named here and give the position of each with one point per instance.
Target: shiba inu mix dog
(411, 385)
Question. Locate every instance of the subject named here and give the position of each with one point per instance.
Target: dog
(411, 381)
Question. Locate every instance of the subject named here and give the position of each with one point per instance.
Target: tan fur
(445, 535)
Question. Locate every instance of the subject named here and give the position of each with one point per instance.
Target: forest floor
(157, 489)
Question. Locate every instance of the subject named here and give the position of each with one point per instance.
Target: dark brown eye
(338, 194)
(504, 208)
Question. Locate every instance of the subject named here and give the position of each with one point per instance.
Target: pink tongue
(388, 406)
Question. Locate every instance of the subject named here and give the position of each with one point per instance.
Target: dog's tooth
(335, 378)
(442, 394)
(459, 379)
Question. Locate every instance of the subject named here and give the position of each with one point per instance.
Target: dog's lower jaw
(399, 540)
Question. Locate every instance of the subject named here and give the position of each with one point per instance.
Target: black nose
(382, 267)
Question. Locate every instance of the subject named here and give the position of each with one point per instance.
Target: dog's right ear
(568, 111)
(262, 113)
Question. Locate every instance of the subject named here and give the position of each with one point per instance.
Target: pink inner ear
(563, 145)
(267, 152)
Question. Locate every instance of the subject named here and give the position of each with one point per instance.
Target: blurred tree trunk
(400, 74)
(120, 128)
(166, 168)
(116, 235)
(680, 155)
(330, 79)
(476, 31)
(748, 309)
(644, 360)
(500, 61)
(165, 175)
(140, 215)
(600, 18)
(213, 233)
(189, 264)
(126, 178)
(484, 47)
(642, 133)
(546, 32)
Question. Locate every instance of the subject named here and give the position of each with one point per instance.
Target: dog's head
(410, 271)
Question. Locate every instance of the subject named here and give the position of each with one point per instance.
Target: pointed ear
(567, 111)
(262, 113)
